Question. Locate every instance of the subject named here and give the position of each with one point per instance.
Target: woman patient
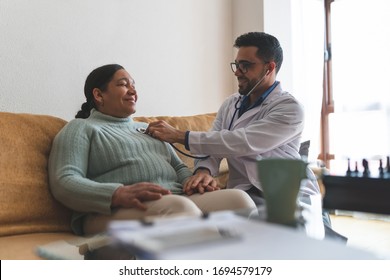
(103, 168)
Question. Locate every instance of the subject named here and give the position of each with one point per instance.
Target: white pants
(194, 205)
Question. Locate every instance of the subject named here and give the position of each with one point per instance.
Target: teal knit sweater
(90, 158)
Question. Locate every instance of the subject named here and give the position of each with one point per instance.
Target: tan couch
(29, 215)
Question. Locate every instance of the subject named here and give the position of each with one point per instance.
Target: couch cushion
(26, 204)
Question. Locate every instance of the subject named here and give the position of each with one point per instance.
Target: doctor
(260, 121)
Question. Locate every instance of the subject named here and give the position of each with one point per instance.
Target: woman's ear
(97, 96)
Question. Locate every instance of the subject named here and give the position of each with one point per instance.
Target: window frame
(327, 97)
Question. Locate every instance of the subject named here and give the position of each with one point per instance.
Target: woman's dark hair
(268, 46)
(98, 78)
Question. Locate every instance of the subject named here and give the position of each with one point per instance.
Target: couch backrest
(26, 204)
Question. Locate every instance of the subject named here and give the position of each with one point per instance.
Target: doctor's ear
(271, 67)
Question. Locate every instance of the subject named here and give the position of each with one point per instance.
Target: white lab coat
(271, 130)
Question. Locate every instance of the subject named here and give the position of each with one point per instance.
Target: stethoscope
(143, 131)
(236, 107)
(257, 103)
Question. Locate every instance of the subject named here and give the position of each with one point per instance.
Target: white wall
(248, 16)
(178, 51)
(277, 21)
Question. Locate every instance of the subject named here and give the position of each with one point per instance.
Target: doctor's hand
(133, 196)
(201, 182)
(161, 130)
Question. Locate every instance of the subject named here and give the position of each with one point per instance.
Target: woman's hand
(201, 182)
(133, 196)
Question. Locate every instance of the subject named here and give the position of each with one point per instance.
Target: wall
(177, 51)
(248, 15)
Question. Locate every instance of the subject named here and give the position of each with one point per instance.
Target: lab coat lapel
(246, 117)
(256, 112)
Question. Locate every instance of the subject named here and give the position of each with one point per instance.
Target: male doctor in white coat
(260, 121)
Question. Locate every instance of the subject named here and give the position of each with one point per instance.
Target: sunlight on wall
(308, 42)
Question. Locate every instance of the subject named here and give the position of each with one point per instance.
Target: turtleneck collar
(95, 114)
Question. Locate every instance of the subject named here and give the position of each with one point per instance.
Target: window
(357, 83)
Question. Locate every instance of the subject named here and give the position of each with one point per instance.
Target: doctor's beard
(247, 87)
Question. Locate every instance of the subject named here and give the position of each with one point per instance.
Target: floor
(364, 231)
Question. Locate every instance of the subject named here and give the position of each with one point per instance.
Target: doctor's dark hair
(98, 78)
(269, 48)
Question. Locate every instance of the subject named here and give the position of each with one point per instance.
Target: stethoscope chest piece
(141, 130)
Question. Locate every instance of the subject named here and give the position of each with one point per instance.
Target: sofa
(29, 215)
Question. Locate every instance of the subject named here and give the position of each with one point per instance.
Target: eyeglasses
(243, 66)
